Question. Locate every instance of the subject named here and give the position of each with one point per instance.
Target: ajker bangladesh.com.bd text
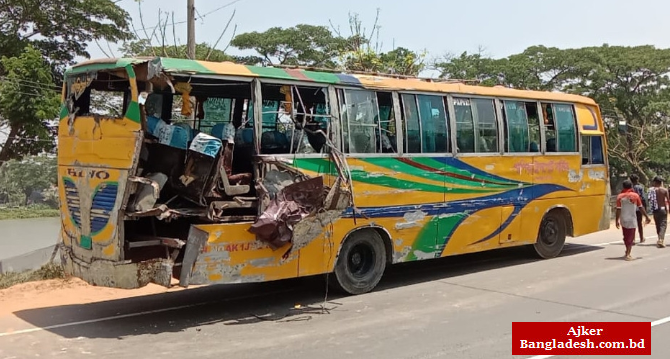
(587, 344)
(564, 338)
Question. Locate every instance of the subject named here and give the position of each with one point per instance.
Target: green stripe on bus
(320, 166)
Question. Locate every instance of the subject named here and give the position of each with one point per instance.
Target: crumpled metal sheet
(290, 206)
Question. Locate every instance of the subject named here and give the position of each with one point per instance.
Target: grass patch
(48, 271)
(28, 212)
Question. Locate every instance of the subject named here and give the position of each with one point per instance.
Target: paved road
(20, 236)
(454, 308)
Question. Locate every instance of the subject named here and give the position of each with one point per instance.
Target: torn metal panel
(194, 247)
(149, 192)
(124, 275)
(292, 204)
(156, 241)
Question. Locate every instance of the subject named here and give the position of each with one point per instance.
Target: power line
(201, 17)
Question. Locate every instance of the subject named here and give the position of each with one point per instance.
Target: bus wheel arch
(555, 227)
(362, 259)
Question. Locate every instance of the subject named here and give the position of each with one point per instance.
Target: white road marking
(653, 324)
(613, 242)
(137, 314)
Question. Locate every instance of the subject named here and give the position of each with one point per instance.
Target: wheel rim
(550, 232)
(361, 260)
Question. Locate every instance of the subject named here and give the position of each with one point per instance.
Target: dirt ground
(57, 292)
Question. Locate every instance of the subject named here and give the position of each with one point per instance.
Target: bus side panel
(231, 254)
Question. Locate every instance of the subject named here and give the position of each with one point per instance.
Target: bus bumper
(124, 274)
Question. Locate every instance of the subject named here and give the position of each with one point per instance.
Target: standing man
(658, 203)
(639, 189)
(627, 202)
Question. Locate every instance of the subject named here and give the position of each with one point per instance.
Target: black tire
(551, 236)
(361, 263)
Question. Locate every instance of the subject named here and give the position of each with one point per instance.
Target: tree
(362, 51)
(60, 29)
(301, 45)
(629, 83)
(18, 179)
(28, 98)
(318, 46)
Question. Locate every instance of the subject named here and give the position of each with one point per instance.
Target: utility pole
(190, 42)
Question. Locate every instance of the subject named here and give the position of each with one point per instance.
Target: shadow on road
(284, 301)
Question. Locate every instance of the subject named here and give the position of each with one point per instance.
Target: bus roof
(196, 67)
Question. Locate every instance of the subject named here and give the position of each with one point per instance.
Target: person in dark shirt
(658, 203)
(639, 189)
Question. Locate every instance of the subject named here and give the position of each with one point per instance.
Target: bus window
(592, 150)
(387, 139)
(597, 157)
(586, 150)
(295, 119)
(533, 126)
(517, 130)
(411, 124)
(359, 114)
(560, 127)
(465, 130)
(434, 131)
(566, 128)
(486, 125)
(522, 126)
(217, 112)
(108, 96)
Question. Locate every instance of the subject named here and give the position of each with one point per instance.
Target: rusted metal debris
(292, 204)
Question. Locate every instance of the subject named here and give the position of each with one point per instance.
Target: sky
(501, 28)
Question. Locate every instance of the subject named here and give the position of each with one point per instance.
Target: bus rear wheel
(361, 262)
(551, 236)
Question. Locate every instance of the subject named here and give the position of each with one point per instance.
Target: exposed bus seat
(223, 131)
(147, 195)
(190, 132)
(201, 159)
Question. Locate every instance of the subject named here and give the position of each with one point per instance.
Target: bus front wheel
(551, 237)
(361, 262)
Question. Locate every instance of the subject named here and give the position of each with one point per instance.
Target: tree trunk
(6, 152)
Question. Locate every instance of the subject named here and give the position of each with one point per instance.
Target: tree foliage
(37, 40)
(28, 98)
(301, 45)
(319, 46)
(19, 179)
(629, 83)
(60, 29)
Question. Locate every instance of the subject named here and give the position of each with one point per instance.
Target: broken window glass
(388, 135)
(296, 119)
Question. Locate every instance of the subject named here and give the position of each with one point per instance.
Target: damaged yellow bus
(214, 173)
